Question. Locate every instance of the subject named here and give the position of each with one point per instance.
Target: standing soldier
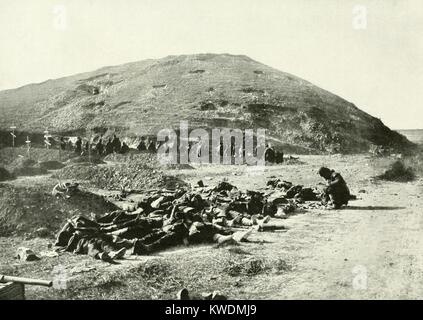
(269, 153)
(78, 145)
(279, 157)
(150, 146)
(125, 148)
(109, 147)
(69, 145)
(87, 147)
(116, 144)
(99, 147)
(141, 146)
(62, 143)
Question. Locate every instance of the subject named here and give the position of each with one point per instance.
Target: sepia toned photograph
(220, 150)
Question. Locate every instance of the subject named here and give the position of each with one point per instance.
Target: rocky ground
(371, 249)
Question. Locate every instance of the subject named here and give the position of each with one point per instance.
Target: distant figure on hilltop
(336, 192)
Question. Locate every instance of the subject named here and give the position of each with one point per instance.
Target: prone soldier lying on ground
(110, 237)
(82, 236)
(166, 218)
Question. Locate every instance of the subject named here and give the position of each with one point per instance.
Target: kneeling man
(336, 192)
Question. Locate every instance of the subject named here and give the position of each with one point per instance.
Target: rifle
(35, 282)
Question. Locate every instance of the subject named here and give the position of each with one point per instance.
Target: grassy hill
(208, 90)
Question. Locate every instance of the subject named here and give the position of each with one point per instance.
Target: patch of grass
(111, 284)
(255, 266)
(224, 269)
(245, 267)
(281, 266)
(150, 280)
(251, 266)
(238, 250)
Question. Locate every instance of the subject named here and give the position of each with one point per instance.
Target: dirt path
(371, 250)
(356, 253)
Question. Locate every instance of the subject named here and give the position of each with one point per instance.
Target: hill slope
(208, 90)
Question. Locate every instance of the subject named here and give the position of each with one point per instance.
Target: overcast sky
(375, 63)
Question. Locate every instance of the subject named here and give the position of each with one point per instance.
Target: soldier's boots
(119, 254)
(104, 256)
(242, 235)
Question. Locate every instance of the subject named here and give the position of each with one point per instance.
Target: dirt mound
(113, 177)
(145, 158)
(86, 159)
(51, 165)
(29, 171)
(177, 166)
(17, 156)
(5, 175)
(20, 162)
(23, 162)
(16, 160)
(22, 166)
(398, 172)
(25, 209)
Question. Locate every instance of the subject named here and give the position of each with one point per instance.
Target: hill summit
(207, 90)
